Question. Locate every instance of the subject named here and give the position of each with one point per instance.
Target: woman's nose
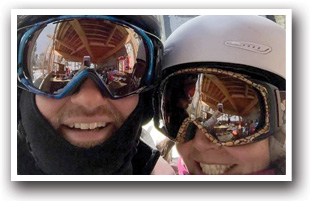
(202, 143)
(89, 95)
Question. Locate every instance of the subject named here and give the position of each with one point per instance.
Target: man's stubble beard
(110, 112)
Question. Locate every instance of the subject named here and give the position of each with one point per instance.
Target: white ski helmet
(252, 41)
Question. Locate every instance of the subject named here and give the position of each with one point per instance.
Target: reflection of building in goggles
(57, 51)
(236, 96)
(227, 107)
(70, 41)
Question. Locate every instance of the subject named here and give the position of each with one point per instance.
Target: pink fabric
(182, 170)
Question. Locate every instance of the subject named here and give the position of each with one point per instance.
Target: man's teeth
(86, 126)
(214, 169)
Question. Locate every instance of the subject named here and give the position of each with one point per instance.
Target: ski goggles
(57, 55)
(227, 107)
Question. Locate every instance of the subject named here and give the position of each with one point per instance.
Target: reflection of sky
(42, 40)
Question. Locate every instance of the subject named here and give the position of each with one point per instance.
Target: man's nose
(202, 143)
(89, 95)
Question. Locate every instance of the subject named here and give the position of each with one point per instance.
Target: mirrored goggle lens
(228, 108)
(59, 51)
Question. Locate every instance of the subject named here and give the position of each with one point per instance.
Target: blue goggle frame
(24, 81)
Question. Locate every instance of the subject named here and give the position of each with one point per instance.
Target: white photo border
(286, 12)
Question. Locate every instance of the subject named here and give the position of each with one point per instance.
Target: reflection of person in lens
(217, 43)
(210, 123)
(87, 132)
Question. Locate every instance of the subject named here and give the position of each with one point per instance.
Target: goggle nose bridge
(81, 77)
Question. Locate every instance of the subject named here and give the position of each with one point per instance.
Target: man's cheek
(126, 105)
(50, 109)
(53, 118)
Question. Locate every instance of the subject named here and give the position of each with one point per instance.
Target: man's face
(203, 157)
(86, 118)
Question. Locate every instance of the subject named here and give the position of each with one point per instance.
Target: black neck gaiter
(54, 155)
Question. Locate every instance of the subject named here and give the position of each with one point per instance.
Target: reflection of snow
(38, 74)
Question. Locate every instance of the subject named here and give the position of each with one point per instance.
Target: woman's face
(204, 157)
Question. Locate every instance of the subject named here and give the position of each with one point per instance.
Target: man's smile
(87, 134)
(87, 126)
